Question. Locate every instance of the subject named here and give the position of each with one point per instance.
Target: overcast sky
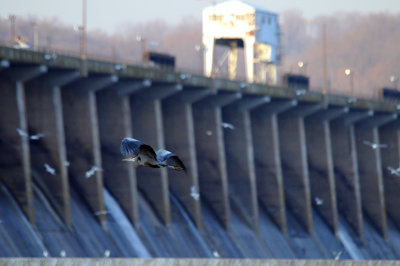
(109, 15)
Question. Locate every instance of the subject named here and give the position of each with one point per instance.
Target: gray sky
(109, 15)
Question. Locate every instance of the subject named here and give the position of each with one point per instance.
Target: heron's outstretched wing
(130, 146)
(133, 147)
(164, 156)
(147, 150)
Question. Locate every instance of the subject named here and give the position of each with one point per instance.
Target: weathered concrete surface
(18, 172)
(211, 159)
(179, 139)
(114, 125)
(321, 165)
(188, 262)
(96, 66)
(45, 120)
(371, 180)
(147, 126)
(346, 173)
(82, 119)
(268, 165)
(15, 168)
(390, 135)
(294, 162)
(240, 156)
(210, 151)
(323, 190)
(83, 140)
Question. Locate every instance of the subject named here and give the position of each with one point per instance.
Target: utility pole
(324, 60)
(35, 36)
(350, 74)
(12, 19)
(83, 41)
(142, 41)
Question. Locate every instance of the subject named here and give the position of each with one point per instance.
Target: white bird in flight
(37, 136)
(318, 201)
(24, 134)
(228, 125)
(394, 171)
(338, 255)
(107, 253)
(92, 171)
(375, 145)
(194, 193)
(49, 169)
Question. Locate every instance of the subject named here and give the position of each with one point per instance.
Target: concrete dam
(272, 172)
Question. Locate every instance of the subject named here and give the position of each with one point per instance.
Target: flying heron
(142, 154)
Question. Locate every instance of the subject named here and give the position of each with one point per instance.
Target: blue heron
(142, 154)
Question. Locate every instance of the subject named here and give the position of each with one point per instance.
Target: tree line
(367, 44)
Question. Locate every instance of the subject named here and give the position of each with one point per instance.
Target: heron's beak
(129, 159)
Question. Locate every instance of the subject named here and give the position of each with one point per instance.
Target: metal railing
(195, 70)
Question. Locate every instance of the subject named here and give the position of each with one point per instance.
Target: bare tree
(367, 44)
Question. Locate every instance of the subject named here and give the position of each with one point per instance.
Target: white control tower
(237, 24)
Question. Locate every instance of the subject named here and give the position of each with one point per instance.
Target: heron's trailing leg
(173, 167)
(176, 168)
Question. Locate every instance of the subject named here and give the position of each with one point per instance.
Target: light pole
(303, 67)
(324, 60)
(78, 30)
(114, 53)
(350, 74)
(48, 41)
(324, 56)
(199, 50)
(394, 80)
(12, 19)
(35, 36)
(83, 40)
(142, 42)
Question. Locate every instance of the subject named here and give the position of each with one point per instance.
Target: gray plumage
(142, 154)
(132, 147)
(139, 153)
(171, 159)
